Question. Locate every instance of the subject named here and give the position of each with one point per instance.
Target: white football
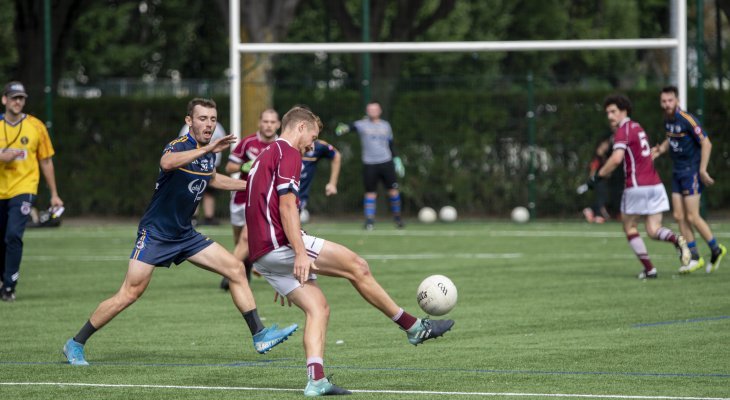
(437, 295)
(520, 215)
(427, 215)
(447, 214)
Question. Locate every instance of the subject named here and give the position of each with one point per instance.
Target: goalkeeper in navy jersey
(166, 234)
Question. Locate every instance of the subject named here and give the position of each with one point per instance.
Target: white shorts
(277, 266)
(238, 214)
(645, 200)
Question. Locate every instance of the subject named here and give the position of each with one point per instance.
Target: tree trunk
(29, 31)
(261, 22)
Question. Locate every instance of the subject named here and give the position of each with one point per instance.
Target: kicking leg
(339, 261)
(656, 231)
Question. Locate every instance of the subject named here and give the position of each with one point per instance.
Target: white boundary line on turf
(405, 392)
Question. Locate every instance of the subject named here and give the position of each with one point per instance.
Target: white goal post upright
(678, 43)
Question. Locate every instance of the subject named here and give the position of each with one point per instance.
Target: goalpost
(677, 43)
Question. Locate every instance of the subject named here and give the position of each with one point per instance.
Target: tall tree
(402, 21)
(261, 22)
(29, 33)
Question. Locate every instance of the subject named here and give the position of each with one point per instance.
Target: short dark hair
(300, 113)
(620, 101)
(671, 89)
(199, 101)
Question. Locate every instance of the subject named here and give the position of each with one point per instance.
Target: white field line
(403, 392)
(627, 255)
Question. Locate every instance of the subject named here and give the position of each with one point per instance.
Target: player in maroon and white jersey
(644, 194)
(285, 255)
(240, 161)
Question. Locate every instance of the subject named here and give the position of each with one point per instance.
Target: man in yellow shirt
(25, 150)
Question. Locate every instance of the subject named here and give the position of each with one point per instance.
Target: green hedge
(464, 148)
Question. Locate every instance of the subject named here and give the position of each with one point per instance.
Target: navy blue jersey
(684, 134)
(178, 192)
(321, 150)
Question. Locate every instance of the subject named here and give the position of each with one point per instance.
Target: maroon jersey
(638, 165)
(275, 172)
(246, 150)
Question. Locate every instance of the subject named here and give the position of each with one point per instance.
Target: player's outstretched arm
(174, 160)
(331, 187)
(223, 182)
(659, 149)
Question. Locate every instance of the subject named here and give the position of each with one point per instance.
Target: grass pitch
(545, 310)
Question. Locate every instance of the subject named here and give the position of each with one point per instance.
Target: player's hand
(281, 298)
(655, 152)
(706, 178)
(341, 129)
(330, 189)
(246, 166)
(400, 170)
(221, 144)
(302, 265)
(8, 155)
(593, 180)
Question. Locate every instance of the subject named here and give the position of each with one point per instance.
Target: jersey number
(645, 148)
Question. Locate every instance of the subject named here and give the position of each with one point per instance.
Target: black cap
(14, 89)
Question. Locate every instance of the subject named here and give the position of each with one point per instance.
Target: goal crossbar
(677, 43)
(453, 47)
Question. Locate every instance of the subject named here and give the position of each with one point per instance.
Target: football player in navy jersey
(166, 235)
(690, 149)
(320, 149)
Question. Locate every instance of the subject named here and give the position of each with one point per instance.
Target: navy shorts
(687, 183)
(161, 252)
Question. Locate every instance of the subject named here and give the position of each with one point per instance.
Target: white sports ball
(447, 214)
(304, 216)
(427, 215)
(520, 215)
(437, 295)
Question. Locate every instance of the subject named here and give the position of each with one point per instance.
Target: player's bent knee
(361, 268)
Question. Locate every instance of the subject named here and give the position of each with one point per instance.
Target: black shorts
(385, 172)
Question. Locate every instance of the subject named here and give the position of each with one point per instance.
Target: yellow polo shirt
(22, 174)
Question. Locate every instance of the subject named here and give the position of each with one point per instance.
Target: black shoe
(652, 274)
(369, 225)
(425, 329)
(7, 294)
(399, 224)
(210, 222)
(224, 284)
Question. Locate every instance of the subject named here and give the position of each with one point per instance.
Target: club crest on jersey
(677, 129)
(197, 187)
(24, 140)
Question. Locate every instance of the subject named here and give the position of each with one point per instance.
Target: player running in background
(597, 212)
(285, 255)
(240, 160)
(380, 162)
(320, 150)
(166, 234)
(644, 194)
(690, 152)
